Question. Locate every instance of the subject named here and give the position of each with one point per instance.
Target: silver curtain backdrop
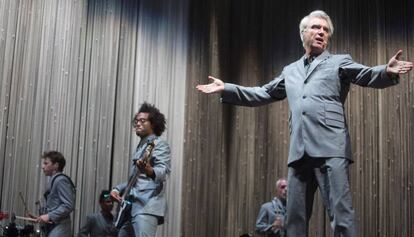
(73, 73)
(233, 155)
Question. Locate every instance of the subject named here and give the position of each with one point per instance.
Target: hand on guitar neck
(146, 168)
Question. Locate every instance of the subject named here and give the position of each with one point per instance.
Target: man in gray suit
(60, 197)
(147, 194)
(270, 220)
(316, 87)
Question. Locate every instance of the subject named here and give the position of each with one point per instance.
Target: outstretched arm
(246, 96)
(396, 67)
(216, 86)
(380, 76)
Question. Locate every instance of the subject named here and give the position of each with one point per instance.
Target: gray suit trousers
(141, 225)
(332, 178)
(63, 229)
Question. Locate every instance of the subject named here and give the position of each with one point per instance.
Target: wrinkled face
(49, 168)
(142, 125)
(281, 189)
(316, 36)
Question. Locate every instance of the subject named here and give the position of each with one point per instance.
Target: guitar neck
(146, 158)
(130, 184)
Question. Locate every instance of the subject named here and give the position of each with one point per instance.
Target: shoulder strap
(61, 174)
(46, 194)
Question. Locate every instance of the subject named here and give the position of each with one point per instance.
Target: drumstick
(26, 218)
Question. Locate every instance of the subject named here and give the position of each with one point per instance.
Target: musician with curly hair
(142, 197)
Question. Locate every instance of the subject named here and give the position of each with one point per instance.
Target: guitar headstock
(148, 151)
(150, 144)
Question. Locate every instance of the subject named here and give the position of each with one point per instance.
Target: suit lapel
(300, 64)
(316, 62)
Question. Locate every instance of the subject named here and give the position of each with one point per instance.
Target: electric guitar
(126, 205)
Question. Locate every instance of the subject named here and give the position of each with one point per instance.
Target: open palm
(216, 86)
(395, 66)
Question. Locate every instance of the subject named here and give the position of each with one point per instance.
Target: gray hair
(279, 181)
(319, 14)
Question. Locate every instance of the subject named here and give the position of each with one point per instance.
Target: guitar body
(124, 213)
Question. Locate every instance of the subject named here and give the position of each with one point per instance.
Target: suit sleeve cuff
(225, 94)
(395, 78)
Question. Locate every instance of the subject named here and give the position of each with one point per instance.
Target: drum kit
(13, 229)
(26, 226)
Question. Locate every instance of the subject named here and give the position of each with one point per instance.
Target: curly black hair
(156, 118)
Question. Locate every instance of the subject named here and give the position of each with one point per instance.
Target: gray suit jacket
(61, 199)
(267, 215)
(149, 194)
(60, 203)
(316, 100)
(98, 225)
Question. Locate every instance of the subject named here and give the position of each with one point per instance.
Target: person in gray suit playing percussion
(59, 196)
(316, 87)
(147, 194)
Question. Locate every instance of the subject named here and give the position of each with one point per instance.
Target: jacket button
(303, 112)
(304, 97)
